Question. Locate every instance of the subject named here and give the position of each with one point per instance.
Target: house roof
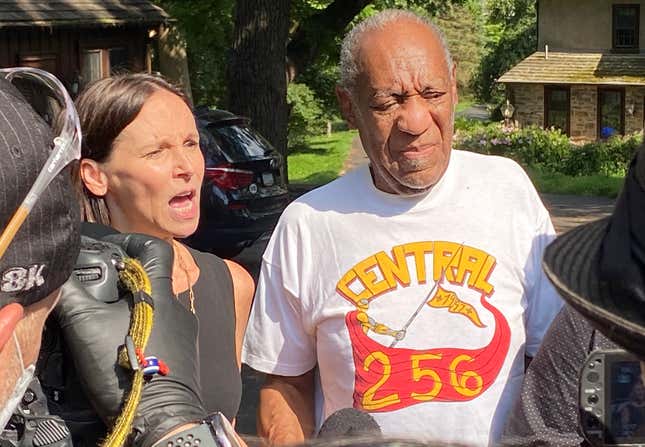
(578, 68)
(18, 13)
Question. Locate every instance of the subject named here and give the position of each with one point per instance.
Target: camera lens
(593, 377)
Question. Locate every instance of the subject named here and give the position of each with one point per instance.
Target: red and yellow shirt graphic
(388, 377)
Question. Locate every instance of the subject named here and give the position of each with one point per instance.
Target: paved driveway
(570, 211)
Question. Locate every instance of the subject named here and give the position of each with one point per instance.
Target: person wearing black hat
(41, 256)
(103, 339)
(599, 269)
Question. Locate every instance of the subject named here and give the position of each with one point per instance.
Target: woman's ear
(93, 177)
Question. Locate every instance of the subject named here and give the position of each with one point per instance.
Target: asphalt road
(566, 213)
(250, 258)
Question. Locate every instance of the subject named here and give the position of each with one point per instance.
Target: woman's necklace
(191, 295)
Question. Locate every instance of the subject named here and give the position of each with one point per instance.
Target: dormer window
(626, 20)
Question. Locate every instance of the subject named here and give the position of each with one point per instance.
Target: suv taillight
(225, 176)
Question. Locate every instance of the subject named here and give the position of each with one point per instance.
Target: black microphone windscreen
(348, 422)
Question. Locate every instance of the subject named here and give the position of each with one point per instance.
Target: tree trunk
(257, 73)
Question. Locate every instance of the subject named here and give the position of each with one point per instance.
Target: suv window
(210, 148)
(240, 142)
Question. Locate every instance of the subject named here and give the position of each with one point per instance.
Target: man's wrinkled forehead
(401, 51)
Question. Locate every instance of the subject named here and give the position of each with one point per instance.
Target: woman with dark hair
(141, 171)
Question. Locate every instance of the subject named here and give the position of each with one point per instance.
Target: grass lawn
(586, 185)
(321, 158)
(465, 101)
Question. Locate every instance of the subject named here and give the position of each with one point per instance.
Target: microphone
(349, 422)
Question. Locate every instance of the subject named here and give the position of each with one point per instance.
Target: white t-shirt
(418, 310)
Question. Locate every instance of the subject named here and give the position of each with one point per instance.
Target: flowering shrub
(548, 150)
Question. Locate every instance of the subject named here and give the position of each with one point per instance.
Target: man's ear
(346, 106)
(453, 85)
(93, 177)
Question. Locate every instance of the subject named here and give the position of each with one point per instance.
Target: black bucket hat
(599, 268)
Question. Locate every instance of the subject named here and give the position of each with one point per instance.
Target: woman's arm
(243, 289)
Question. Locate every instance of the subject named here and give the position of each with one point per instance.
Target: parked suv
(244, 191)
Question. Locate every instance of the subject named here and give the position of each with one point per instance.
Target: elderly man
(412, 284)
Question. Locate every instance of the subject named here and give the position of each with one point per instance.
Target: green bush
(610, 157)
(531, 146)
(584, 160)
(621, 150)
(306, 114)
(548, 150)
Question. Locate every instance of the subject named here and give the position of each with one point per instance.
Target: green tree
(463, 26)
(242, 53)
(257, 82)
(207, 26)
(460, 20)
(318, 25)
(306, 115)
(511, 35)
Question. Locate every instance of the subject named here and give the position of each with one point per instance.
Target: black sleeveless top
(221, 384)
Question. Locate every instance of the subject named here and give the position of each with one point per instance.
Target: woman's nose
(182, 164)
(414, 117)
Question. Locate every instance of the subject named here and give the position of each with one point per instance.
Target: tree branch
(319, 31)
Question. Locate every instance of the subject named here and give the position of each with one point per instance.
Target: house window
(92, 66)
(626, 20)
(611, 106)
(556, 108)
(103, 62)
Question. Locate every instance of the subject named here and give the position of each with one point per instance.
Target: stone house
(587, 76)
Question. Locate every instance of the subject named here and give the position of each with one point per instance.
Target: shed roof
(578, 68)
(18, 13)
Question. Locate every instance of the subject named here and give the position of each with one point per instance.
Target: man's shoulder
(334, 196)
(487, 165)
(495, 175)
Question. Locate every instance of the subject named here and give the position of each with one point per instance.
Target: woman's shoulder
(243, 283)
(203, 258)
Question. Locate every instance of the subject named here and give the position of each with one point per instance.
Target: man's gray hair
(349, 68)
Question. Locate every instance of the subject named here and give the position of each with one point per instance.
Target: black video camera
(612, 399)
(97, 268)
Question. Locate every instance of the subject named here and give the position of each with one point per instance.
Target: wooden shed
(79, 40)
